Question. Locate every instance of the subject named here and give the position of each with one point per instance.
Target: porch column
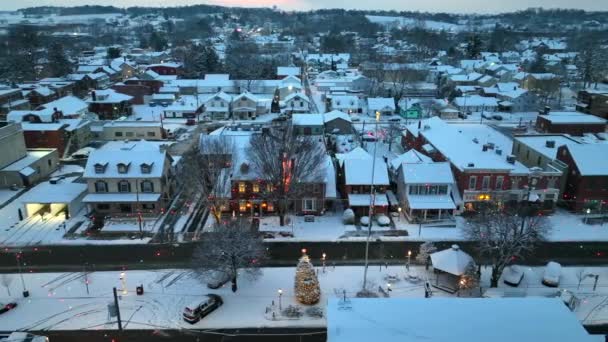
(425, 214)
(439, 217)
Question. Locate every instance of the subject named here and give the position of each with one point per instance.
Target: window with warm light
(256, 187)
(242, 206)
(242, 187)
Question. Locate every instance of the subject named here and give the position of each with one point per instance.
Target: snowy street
(60, 301)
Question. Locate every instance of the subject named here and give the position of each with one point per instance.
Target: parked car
(513, 275)
(553, 271)
(394, 119)
(497, 117)
(7, 307)
(486, 116)
(152, 104)
(190, 122)
(198, 309)
(217, 280)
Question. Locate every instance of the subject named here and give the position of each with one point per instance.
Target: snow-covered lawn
(565, 227)
(61, 301)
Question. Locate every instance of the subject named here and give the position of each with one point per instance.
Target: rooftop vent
(511, 159)
(550, 143)
(471, 165)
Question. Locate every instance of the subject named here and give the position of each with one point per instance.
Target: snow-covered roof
(109, 96)
(330, 179)
(452, 319)
(356, 153)
(359, 172)
(427, 173)
(288, 71)
(32, 156)
(245, 95)
(564, 118)
(421, 202)
(64, 191)
(113, 197)
(475, 101)
(133, 154)
(462, 144)
(336, 114)
(220, 96)
(364, 200)
(474, 76)
(452, 260)
(380, 103)
(298, 96)
(344, 101)
(411, 156)
(590, 159)
(539, 143)
(307, 119)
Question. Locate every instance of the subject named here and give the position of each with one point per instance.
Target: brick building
(573, 123)
(587, 179)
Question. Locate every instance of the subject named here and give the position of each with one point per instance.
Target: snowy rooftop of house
(220, 96)
(356, 153)
(475, 100)
(330, 179)
(358, 171)
(65, 191)
(453, 319)
(134, 154)
(364, 200)
(539, 143)
(335, 114)
(121, 123)
(411, 156)
(307, 119)
(590, 159)
(344, 101)
(466, 78)
(288, 71)
(109, 96)
(379, 103)
(32, 156)
(462, 144)
(427, 173)
(300, 96)
(564, 118)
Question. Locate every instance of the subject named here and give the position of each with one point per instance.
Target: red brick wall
(45, 139)
(581, 188)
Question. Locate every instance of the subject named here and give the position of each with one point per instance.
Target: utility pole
(141, 231)
(372, 199)
(26, 293)
(117, 309)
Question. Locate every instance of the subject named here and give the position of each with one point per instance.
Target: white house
(345, 103)
(245, 106)
(380, 106)
(476, 103)
(296, 103)
(217, 107)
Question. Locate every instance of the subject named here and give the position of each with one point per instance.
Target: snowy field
(61, 300)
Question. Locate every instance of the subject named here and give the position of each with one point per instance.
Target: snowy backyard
(61, 300)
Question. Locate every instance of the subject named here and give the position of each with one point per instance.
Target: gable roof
(377, 103)
(427, 173)
(590, 159)
(336, 114)
(359, 172)
(410, 157)
(132, 153)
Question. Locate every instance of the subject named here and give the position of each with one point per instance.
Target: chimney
(484, 147)
(471, 165)
(550, 143)
(498, 152)
(511, 159)
(94, 95)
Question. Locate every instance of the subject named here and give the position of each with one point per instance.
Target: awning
(363, 200)
(421, 202)
(121, 198)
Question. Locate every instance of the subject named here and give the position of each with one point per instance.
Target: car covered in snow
(512, 275)
(198, 309)
(19, 336)
(552, 273)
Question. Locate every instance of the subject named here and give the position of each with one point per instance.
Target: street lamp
(123, 282)
(399, 217)
(388, 286)
(26, 293)
(323, 259)
(280, 291)
(587, 212)
(409, 256)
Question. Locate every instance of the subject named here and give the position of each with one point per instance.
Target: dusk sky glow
(458, 6)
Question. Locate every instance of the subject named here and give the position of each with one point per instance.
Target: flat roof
(539, 143)
(453, 319)
(65, 191)
(563, 118)
(32, 157)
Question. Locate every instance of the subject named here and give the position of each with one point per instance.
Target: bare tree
(592, 63)
(205, 171)
(6, 280)
(232, 246)
(502, 235)
(424, 253)
(546, 89)
(393, 131)
(288, 162)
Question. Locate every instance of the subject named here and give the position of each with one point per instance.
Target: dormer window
(100, 168)
(146, 168)
(123, 168)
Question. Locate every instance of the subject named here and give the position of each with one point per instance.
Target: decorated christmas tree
(307, 288)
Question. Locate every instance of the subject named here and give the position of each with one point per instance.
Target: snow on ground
(61, 301)
(565, 227)
(7, 194)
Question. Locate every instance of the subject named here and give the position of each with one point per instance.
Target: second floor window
(256, 187)
(242, 187)
(101, 186)
(147, 186)
(124, 186)
(485, 183)
(472, 182)
(499, 182)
